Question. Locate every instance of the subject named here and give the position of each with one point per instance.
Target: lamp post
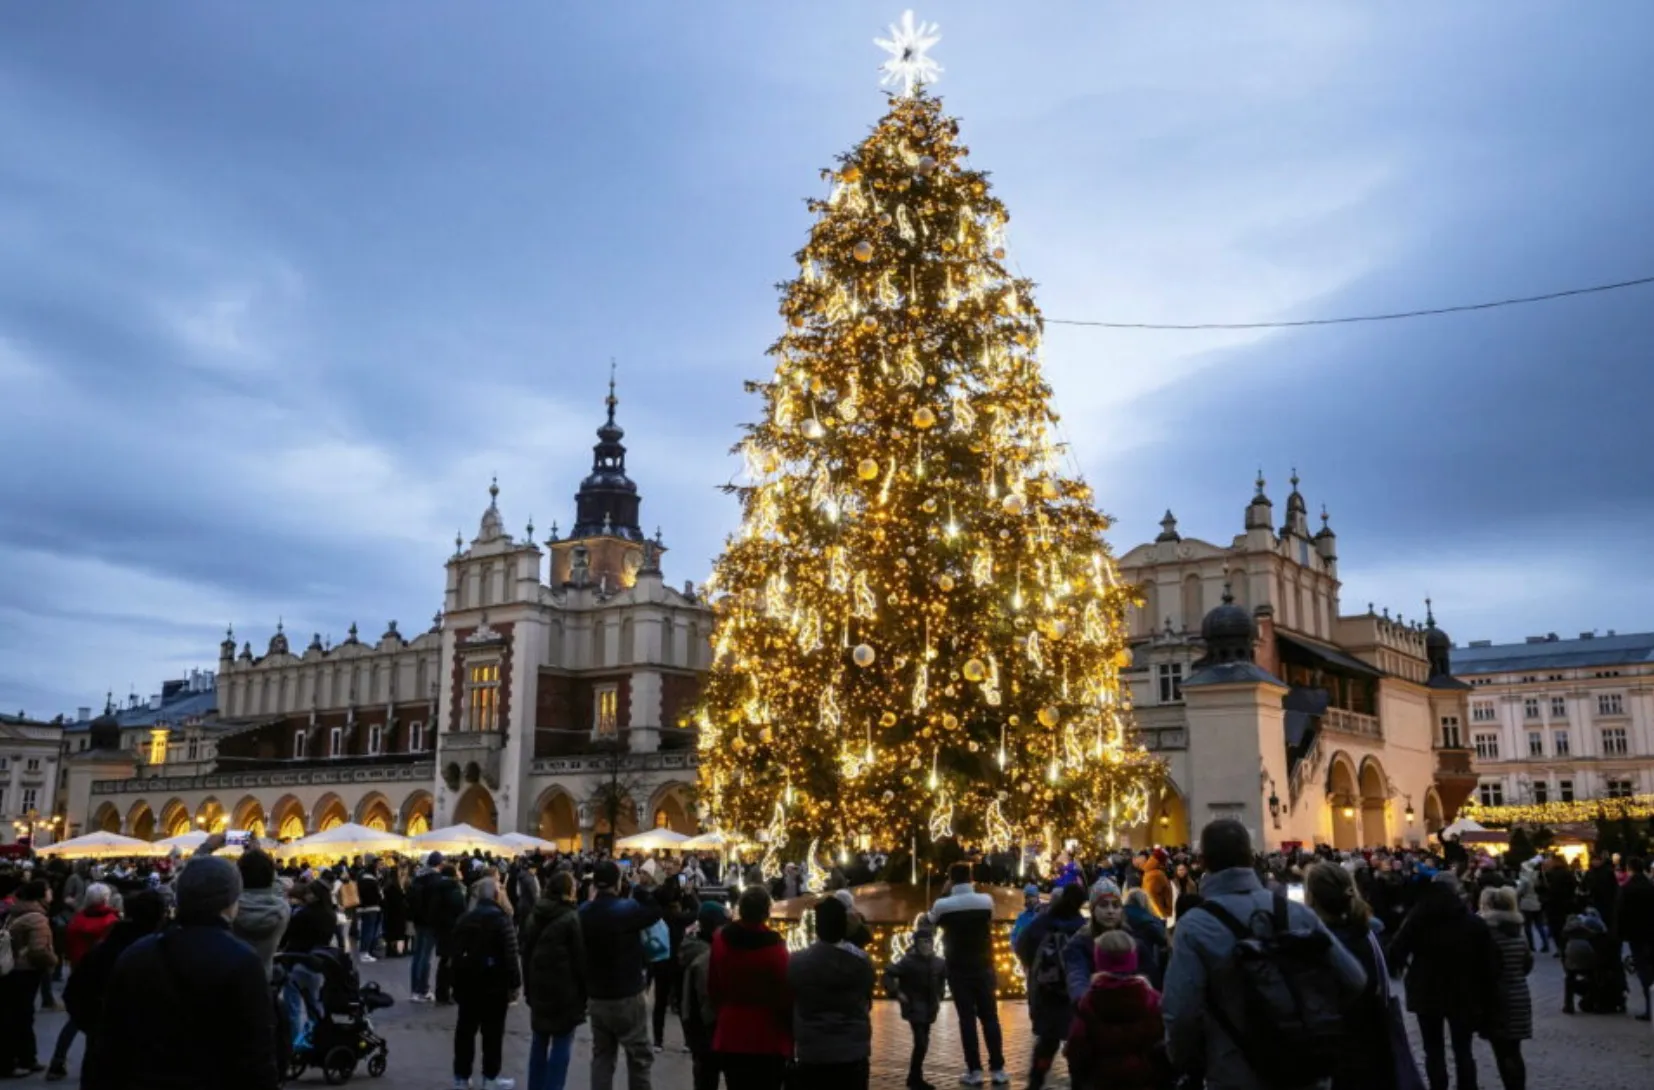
(1274, 805)
(29, 822)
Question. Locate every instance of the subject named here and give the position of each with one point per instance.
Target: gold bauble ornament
(888, 719)
(739, 744)
(867, 469)
(950, 721)
(850, 174)
(813, 429)
(945, 581)
(863, 655)
(766, 736)
(869, 323)
(999, 253)
(975, 670)
(978, 188)
(1048, 489)
(798, 321)
(816, 385)
(1122, 658)
(947, 245)
(924, 418)
(929, 505)
(1049, 716)
(1013, 503)
(885, 219)
(862, 251)
(927, 164)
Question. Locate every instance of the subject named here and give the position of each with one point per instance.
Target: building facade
(31, 753)
(1555, 720)
(550, 695)
(1272, 705)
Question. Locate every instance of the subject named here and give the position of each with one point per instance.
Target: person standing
(1509, 1020)
(612, 928)
(30, 933)
(696, 1011)
(1636, 919)
(1118, 1034)
(446, 906)
(747, 979)
(144, 913)
(262, 915)
(664, 973)
(1365, 1061)
(1158, 884)
(487, 976)
(370, 906)
(1452, 965)
(831, 982)
(1040, 950)
(84, 931)
(421, 903)
(917, 981)
(554, 979)
(189, 1008)
(966, 919)
(1557, 888)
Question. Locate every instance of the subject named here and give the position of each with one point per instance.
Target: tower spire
(612, 400)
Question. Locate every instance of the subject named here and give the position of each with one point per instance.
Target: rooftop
(1553, 653)
(172, 710)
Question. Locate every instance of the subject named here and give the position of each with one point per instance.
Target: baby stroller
(341, 1033)
(1591, 957)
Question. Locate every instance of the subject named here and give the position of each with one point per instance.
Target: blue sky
(281, 286)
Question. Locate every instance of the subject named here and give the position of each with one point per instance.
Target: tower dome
(1229, 632)
(607, 503)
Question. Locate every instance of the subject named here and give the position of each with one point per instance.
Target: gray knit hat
(207, 886)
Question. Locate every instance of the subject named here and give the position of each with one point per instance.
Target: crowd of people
(1216, 967)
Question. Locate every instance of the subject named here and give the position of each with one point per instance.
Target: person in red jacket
(746, 980)
(1117, 1039)
(86, 929)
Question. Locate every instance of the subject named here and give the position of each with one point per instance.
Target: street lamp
(29, 822)
(1411, 815)
(1274, 805)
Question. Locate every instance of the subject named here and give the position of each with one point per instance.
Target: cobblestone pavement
(1601, 1052)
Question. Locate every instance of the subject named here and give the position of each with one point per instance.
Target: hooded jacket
(747, 979)
(1116, 1035)
(1449, 957)
(554, 967)
(698, 1011)
(1158, 885)
(31, 936)
(1510, 1016)
(832, 986)
(88, 926)
(261, 921)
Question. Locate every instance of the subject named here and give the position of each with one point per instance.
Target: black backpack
(476, 949)
(1047, 976)
(1292, 1026)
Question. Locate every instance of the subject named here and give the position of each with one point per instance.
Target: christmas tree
(919, 623)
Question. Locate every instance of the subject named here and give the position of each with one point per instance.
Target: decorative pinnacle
(494, 490)
(530, 537)
(1228, 594)
(1295, 478)
(1429, 614)
(459, 542)
(611, 401)
(1323, 516)
(1260, 481)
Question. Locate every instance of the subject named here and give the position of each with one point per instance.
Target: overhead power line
(1349, 319)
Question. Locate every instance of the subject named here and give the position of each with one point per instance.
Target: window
(1607, 673)
(1610, 704)
(32, 765)
(335, 741)
(192, 749)
(1565, 790)
(1559, 743)
(1553, 677)
(1530, 708)
(30, 795)
(1450, 732)
(1620, 789)
(1536, 743)
(1529, 679)
(298, 745)
(1487, 746)
(606, 711)
(485, 697)
(1541, 792)
(1492, 794)
(1171, 682)
(1559, 707)
(1483, 712)
(157, 747)
(376, 735)
(416, 736)
(1613, 742)
(5, 764)
(2, 800)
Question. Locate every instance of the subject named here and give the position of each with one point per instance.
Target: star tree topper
(909, 64)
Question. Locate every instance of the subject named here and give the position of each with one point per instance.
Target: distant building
(1273, 706)
(545, 698)
(30, 755)
(1555, 720)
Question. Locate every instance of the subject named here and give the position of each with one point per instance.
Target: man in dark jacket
(370, 907)
(421, 908)
(832, 985)
(145, 911)
(1635, 914)
(966, 919)
(487, 978)
(190, 1008)
(613, 927)
(1452, 967)
(1040, 949)
(554, 977)
(696, 1011)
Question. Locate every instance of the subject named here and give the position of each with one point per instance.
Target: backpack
(348, 896)
(1046, 976)
(1292, 1028)
(475, 950)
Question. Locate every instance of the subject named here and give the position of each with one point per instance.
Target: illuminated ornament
(909, 64)
(1122, 658)
(830, 715)
(797, 321)
(813, 429)
(999, 253)
(1049, 716)
(1013, 503)
(950, 721)
(851, 174)
(1048, 489)
(944, 581)
(887, 720)
(863, 251)
(867, 469)
(927, 164)
(869, 323)
(863, 655)
(975, 671)
(921, 687)
(924, 418)
(864, 604)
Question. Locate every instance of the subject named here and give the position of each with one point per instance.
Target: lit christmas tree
(920, 627)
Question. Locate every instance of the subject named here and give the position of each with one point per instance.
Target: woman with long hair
(1366, 1061)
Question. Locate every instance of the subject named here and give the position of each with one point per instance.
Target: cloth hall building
(548, 696)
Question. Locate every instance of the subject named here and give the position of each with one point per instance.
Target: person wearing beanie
(1041, 949)
(917, 980)
(832, 985)
(696, 1011)
(1030, 909)
(262, 914)
(190, 1007)
(1117, 1030)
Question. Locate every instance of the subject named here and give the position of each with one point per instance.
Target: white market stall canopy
(344, 840)
(101, 845)
(1459, 828)
(709, 842)
(524, 842)
(462, 839)
(653, 840)
(184, 843)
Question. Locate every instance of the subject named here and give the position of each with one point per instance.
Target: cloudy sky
(280, 291)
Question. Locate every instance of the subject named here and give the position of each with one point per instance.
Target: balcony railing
(1453, 762)
(1348, 722)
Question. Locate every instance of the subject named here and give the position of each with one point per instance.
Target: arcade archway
(476, 809)
(557, 820)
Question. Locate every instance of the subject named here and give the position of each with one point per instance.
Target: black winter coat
(486, 964)
(312, 927)
(188, 1009)
(1635, 914)
(1451, 962)
(83, 995)
(554, 967)
(1050, 1013)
